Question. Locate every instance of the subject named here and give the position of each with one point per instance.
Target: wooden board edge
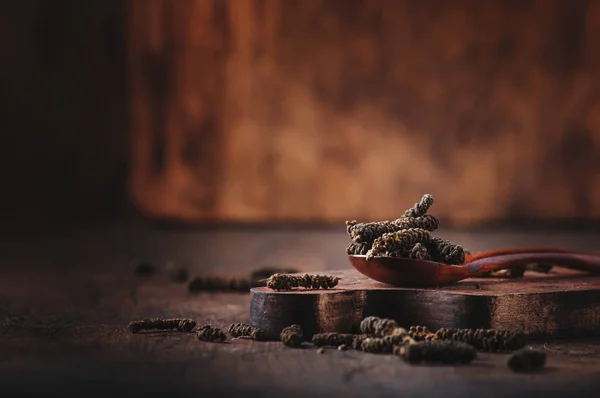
(538, 315)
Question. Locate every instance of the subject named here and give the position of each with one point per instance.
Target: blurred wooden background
(323, 110)
(305, 110)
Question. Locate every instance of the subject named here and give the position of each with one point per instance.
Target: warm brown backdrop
(279, 110)
(323, 110)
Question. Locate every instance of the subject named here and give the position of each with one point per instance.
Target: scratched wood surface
(562, 303)
(65, 302)
(270, 110)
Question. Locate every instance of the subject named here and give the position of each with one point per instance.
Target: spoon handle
(573, 260)
(520, 250)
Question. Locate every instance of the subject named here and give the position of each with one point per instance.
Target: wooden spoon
(422, 273)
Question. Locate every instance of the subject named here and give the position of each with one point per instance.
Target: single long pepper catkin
(332, 339)
(179, 324)
(447, 251)
(292, 336)
(447, 352)
(358, 248)
(212, 334)
(376, 345)
(367, 325)
(245, 330)
(427, 222)
(399, 241)
(349, 226)
(419, 252)
(420, 208)
(485, 339)
(368, 232)
(306, 281)
(386, 343)
(380, 327)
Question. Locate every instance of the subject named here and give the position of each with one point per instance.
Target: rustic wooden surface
(270, 110)
(563, 303)
(65, 302)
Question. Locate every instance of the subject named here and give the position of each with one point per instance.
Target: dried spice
(212, 284)
(385, 326)
(409, 236)
(426, 222)
(376, 345)
(420, 333)
(408, 340)
(419, 252)
(399, 241)
(376, 326)
(245, 330)
(447, 352)
(368, 232)
(306, 281)
(332, 339)
(385, 344)
(179, 324)
(357, 341)
(358, 248)
(349, 226)
(419, 209)
(144, 268)
(292, 336)
(209, 333)
(398, 336)
(418, 329)
(373, 326)
(527, 360)
(485, 339)
(447, 252)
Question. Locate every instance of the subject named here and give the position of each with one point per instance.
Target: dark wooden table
(65, 302)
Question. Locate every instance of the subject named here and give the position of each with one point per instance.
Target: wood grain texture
(562, 304)
(271, 110)
(65, 303)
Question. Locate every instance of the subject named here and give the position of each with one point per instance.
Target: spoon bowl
(405, 272)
